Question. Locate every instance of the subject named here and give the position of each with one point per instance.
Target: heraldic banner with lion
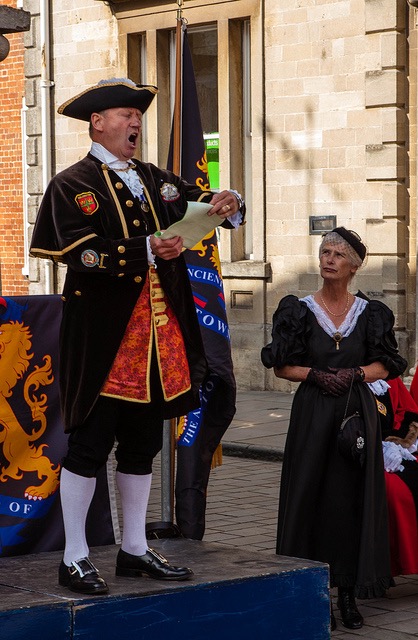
(32, 439)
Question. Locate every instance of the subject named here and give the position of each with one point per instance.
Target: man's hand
(224, 204)
(166, 249)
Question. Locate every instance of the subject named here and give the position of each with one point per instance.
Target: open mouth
(132, 138)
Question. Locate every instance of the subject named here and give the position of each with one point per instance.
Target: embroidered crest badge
(169, 192)
(87, 202)
(89, 258)
(381, 407)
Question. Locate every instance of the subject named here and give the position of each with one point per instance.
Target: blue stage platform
(234, 595)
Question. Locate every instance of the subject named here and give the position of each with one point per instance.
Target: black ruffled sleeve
(288, 334)
(382, 345)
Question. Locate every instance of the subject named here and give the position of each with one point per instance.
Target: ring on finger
(226, 207)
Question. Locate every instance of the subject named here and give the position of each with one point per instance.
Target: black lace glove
(347, 375)
(328, 381)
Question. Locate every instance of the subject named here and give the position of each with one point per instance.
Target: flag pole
(178, 92)
(169, 440)
(166, 528)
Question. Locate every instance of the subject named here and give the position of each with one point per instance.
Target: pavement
(242, 508)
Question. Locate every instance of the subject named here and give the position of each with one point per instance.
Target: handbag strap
(348, 397)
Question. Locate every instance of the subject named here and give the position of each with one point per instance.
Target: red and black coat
(91, 221)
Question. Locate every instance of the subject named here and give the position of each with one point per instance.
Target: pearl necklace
(336, 315)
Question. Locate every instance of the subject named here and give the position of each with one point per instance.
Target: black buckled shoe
(350, 615)
(152, 564)
(82, 577)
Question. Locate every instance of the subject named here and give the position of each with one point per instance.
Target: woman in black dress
(332, 509)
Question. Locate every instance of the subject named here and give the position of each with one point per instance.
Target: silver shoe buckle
(80, 570)
(158, 556)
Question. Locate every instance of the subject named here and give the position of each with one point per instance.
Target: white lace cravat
(124, 169)
(132, 180)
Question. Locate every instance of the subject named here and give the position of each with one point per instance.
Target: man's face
(118, 130)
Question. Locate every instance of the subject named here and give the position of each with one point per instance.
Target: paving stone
(242, 513)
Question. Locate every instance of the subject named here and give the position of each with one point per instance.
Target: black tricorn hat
(108, 94)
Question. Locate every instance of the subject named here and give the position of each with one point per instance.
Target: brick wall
(12, 281)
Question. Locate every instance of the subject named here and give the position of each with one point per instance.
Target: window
(247, 135)
(224, 71)
(204, 50)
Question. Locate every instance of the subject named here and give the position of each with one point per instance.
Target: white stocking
(134, 492)
(76, 496)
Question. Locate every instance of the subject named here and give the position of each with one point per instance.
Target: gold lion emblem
(19, 449)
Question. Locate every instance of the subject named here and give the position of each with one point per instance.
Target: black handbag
(351, 439)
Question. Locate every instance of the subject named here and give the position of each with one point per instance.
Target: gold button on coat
(122, 263)
(138, 279)
(129, 203)
(119, 185)
(77, 293)
(136, 223)
(121, 249)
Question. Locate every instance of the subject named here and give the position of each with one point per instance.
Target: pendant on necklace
(337, 337)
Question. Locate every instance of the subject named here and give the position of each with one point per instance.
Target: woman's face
(334, 263)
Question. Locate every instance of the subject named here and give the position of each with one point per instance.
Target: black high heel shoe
(350, 615)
